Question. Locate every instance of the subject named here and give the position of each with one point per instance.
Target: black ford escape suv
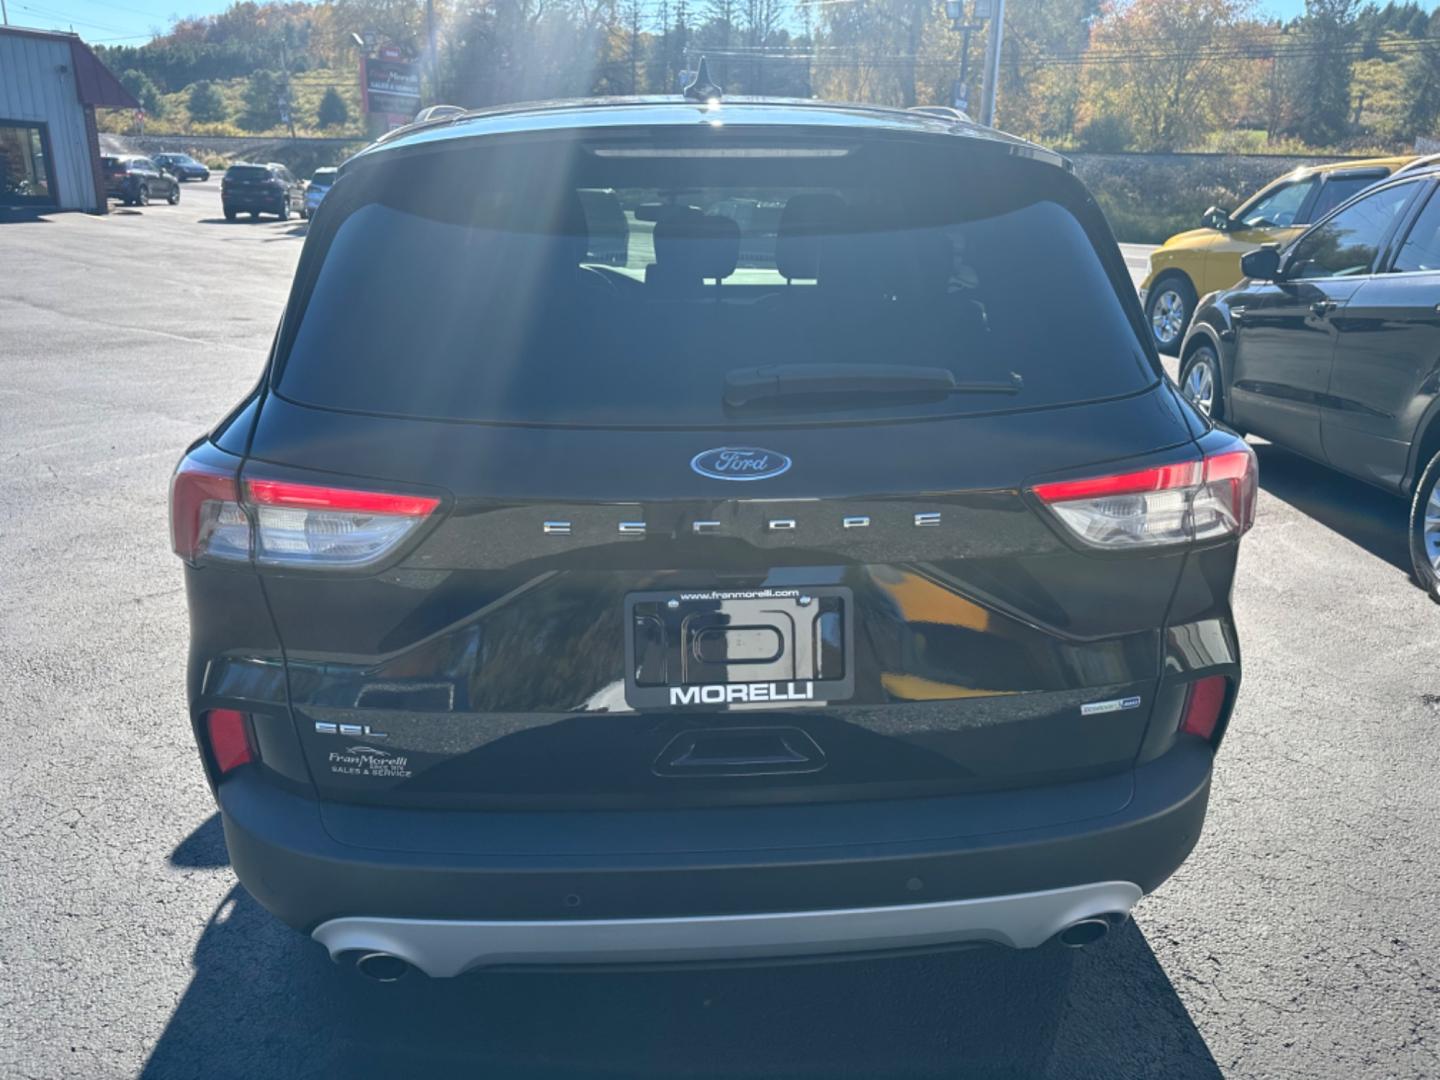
(792, 586)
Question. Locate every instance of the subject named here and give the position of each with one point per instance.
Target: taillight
(229, 735)
(1203, 703)
(283, 523)
(206, 519)
(1167, 504)
(318, 526)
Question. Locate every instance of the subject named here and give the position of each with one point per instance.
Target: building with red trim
(50, 86)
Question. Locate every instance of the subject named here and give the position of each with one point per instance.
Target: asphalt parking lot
(1300, 940)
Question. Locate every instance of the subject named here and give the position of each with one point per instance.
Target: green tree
(892, 52)
(1422, 84)
(1104, 135)
(1040, 78)
(261, 101)
(1323, 74)
(144, 89)
(206, 104)
(333, 111)
(1156, 66)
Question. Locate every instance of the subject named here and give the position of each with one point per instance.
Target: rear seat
(692, 248)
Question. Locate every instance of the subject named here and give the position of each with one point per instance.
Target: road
(1300, 940)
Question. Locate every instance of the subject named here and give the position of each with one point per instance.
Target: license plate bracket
(716, 649)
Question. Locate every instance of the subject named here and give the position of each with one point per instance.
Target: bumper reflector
(229, 739)
(1203, 705)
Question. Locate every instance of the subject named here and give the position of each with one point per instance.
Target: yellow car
(1191, 264)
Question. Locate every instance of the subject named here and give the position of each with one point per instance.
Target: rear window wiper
(744, 386)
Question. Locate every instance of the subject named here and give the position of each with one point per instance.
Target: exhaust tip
(1085, 932)
(382, 967)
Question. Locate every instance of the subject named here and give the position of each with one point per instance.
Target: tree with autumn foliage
(1168, 68)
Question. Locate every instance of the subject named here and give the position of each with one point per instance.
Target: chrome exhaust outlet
(1085, 932)
(382, 967)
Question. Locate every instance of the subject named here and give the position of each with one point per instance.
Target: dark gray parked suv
(136, 180)
(261, 189)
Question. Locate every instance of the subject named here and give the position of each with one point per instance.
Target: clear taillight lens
(206, 519)
(315, 526)
(1169, 504)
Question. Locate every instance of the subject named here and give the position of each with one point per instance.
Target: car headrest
(863, 263)
(805, 219)
(927, 272)
(693, 245)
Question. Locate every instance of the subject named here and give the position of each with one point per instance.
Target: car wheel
(1200, 382)
(230, 213)
(143, 198)
(1425, 530)
(285, 211)
(1168, 308)
(174, 197)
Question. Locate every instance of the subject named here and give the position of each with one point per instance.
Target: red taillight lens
(1167, 504)
(229, 738)
(311, 497)
(1203, 705)
(206, 519)
(320, 526)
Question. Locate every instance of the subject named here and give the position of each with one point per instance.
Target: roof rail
(946, 112)
(437, 112)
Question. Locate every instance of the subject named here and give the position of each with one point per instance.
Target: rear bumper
(794, 894)
(271, 204)
(446, 947)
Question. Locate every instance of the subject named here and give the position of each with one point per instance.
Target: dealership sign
(392, 86)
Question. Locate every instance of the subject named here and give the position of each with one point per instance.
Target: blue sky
(131, 22)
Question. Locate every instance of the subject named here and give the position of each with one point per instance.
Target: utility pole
(434, 56)
(993, 43)
(955, 12)
(664, 49)
(4, 14)
(286, 112)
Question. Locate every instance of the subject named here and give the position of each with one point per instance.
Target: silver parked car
(315, 190)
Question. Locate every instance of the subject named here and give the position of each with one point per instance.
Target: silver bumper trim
(445, 947)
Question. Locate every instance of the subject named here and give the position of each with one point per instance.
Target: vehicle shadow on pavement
(265, 1001)
(1366, 516)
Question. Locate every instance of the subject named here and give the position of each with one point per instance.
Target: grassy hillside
(307, 89)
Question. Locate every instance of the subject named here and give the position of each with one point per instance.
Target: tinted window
(1278, 207)
(1348, 243)
(248, 172)
(1421, 250)
(323, 176)
(501, 288)
(1337, 190)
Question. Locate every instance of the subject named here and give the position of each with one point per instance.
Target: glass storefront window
(24, 169)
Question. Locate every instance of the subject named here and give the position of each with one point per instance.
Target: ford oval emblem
(739, 463)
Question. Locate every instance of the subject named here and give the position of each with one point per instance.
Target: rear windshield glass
(248, 172)
(634, 284)
(323, 176)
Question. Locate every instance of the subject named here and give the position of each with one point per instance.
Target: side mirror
(1216, 218)
(1262, 264)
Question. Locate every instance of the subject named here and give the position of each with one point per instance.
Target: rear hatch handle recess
(744, 386)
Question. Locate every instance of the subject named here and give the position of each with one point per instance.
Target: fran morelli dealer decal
(367, 761)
